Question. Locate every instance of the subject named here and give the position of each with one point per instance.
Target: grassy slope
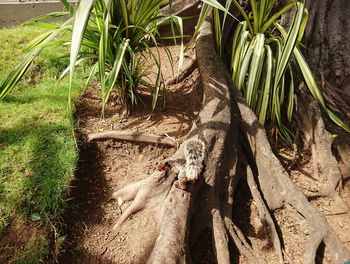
(37, 153)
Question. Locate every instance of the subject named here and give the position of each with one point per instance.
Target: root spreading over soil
(245, 208)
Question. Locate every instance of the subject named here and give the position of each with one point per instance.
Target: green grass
(37, 151)
(35, 251)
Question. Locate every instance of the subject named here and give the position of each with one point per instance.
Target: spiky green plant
(110, 34)
(264, 59)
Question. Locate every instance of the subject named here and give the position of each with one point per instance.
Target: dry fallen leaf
(120, 201)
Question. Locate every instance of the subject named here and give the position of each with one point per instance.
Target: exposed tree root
(224, 116)
(265, 216)
(240, 241)
(278, 189)
(133, 136)
(325, 165)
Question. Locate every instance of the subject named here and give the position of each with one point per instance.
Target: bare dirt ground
(106, 166)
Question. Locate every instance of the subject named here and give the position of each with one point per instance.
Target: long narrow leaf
(245, 65)
(81, 18)
(275, 17)
(290, 96)
(68, 6)
(289, 44)
(255, 15)
(255, 69)
(267, 85)
(52, 15)
(113, 75)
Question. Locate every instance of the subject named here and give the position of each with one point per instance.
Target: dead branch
(133, 136)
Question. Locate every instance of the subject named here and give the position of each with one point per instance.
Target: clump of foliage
(265, 58)
(111, 35)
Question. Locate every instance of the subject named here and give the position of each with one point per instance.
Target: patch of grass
(36, 251)
(37, 151)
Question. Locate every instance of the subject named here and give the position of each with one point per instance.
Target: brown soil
(106, 166)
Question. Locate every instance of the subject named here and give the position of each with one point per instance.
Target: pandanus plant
(113, 37)
(265, 58)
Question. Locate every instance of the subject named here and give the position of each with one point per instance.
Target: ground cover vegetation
(266, 60)
(37, 152)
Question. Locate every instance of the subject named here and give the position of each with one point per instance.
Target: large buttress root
(326, 169)
(278, 189)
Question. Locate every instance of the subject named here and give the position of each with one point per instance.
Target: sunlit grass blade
(246, 18)
(36, 41)
(311, 82)
(81, 18)
(337, 120)
(156, 90)
(305, 71)
(17, 73)
(308, 77)
(303, 25)
(217, 30)
(20, 69)
(238, 57)
(262, 9)
(282, 89)
(179, 24)
(202, 17)
(235, 41)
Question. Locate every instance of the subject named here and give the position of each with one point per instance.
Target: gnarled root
(326, 169)
(224, 115)
(278, 189)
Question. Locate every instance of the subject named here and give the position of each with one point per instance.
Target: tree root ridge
(277, 188)
(224, 116)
